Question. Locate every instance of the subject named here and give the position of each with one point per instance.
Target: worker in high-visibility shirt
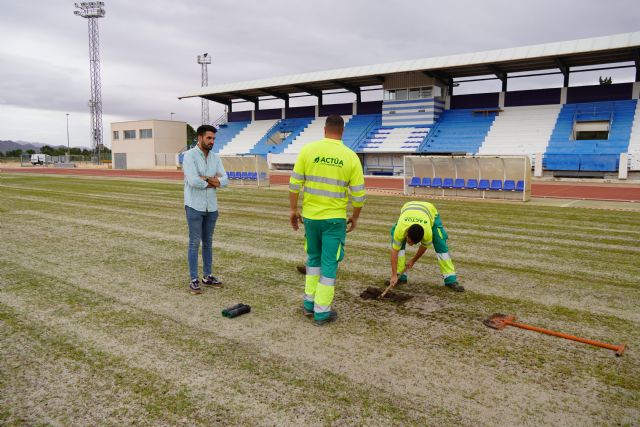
(328, 172)
(420, 222)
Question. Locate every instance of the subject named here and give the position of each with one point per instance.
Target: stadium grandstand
(570, 130)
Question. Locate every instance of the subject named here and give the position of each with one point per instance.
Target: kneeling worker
(420, 222)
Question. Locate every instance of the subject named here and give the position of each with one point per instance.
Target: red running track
(561, 190)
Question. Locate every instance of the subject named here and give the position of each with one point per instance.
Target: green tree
(45, 149)
(605, 80)
(14, 153)
(191, 135)
(31, 152)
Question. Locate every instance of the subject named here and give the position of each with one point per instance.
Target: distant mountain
(23, 145)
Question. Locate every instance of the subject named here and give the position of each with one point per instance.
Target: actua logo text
(414, 219)
(329, 161)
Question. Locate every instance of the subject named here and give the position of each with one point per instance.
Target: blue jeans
(201, 226)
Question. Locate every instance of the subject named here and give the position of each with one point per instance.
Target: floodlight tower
(204, 60)
(92, 11)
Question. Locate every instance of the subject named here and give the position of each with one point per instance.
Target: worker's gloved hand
(295, 218)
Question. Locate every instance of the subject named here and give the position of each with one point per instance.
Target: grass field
(97, 326)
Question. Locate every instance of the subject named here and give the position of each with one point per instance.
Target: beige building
(146, 144)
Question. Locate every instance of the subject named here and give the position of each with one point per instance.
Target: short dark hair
(202, 129)
(415, 233)
(334, 123)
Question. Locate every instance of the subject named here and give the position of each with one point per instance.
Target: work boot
(302, 269)
(333, 316)
(212, 281)
(194, 287)
(307, 312)
(455, 286)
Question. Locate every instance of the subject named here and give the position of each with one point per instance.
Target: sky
(148, 50)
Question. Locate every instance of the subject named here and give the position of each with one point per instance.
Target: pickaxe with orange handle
(501, 321)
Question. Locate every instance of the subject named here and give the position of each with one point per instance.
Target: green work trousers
(324, 244)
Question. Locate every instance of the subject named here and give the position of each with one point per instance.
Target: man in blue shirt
(203, 175)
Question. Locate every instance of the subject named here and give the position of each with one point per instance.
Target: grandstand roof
(583, 52)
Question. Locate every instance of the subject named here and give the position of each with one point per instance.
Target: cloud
(148, 48)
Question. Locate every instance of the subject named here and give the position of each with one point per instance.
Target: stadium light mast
(68, 146)
(92, 11)
(204, 60)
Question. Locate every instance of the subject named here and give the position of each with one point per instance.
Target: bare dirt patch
(376, 293)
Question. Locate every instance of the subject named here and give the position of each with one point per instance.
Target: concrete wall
(169, 136)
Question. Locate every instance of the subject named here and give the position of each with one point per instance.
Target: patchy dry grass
(97, 326)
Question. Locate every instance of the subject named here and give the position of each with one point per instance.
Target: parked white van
(40, 159)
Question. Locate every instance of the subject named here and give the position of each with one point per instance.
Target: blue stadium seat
(496, 185)
(563, 153)
(436, 183)
(227, 132)
(415, 181)
(447, 183)
(483, 184)
(472, 184)
(458, 184)
(520, 185)
(253, 176)
(232, 175)
(244, 175)
(509, 185)
(458, 130)
(426, 182)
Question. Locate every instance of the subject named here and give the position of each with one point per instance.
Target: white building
(146, 144)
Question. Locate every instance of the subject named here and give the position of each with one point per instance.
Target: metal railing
(428, 136)
(222, 120)
(358, 139)
(269, 135)
(609, 108)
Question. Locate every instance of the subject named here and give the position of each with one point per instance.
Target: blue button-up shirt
(196, 194)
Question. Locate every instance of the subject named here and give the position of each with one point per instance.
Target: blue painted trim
(406, 101)
(428, 107)
(425, 113)
(407, 121)
(407, 126)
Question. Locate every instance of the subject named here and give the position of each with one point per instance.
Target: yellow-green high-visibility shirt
(423, 213)
(328, 171)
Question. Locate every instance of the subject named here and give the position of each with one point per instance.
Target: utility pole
(68, 146)
(204, 60)
(171, 118)
(92, 11)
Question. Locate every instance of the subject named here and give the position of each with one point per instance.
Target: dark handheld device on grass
(236, 310)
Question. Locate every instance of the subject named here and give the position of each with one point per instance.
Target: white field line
(492, 232)
(171, 363)
(440, 382)
(178, 202)
(227, 245)
(370, 266)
